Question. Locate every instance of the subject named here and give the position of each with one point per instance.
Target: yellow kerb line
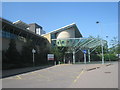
(78, 76)
(18, 77)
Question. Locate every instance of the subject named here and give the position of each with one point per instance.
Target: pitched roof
(64, 28)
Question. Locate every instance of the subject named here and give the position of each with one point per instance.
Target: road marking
(60, 65)
(78, 76)
(33, 72)
(18, 77)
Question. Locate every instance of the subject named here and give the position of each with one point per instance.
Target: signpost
(51, 57)
(84, 51)
(33, 51)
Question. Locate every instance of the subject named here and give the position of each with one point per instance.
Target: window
(8, 35)
(38, 31)
(62, 42)
(53, 36)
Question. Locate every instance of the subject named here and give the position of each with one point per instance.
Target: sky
(54, 15)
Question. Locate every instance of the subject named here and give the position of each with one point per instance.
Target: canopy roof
(78, 43)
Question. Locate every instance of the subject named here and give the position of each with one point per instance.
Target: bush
(11, 57)
(95, 57)
(109, 57)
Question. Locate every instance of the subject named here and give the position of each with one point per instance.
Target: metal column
(84, 58)
(89, 54)
(64, 59)
(73, 57)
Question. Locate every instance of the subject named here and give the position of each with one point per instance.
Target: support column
(54, 62)
(64, 59)
(84, 58)
(59, 62)
(89, 54)
(73, 57)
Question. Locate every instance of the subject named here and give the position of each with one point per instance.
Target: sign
(33, 51)
(84, 51)
(50, 56)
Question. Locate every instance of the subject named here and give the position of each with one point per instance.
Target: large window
(8, 35)
(38, 31)
(53, 36)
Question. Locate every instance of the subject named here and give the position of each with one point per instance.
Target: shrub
(109, 57)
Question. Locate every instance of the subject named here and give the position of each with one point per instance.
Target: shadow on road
(13, 72)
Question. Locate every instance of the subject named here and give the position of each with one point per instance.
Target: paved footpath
(67, 76)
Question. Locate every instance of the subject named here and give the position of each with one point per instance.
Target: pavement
(67, 76)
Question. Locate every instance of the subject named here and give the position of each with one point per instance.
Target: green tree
(58, 53)
(26, 53)
(12, 55)
(115, 45)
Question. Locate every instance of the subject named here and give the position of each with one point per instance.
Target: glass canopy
(76, 44)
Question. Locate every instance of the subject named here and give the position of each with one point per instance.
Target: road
(67, 76)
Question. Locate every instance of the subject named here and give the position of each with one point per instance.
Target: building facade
(36, 29)
(20, 33)
(58, 38)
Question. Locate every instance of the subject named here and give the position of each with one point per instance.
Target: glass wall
(9, 35)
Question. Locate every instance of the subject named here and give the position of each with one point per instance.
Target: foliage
(11, 56)
(13, 59)
(95, 57)
(109, 57)
(40, 55)
(58, 53)
(26, 53)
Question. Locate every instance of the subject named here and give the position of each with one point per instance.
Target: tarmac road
(67, 76)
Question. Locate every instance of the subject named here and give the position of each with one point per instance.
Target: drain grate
(107, 72)
(91, 69)
(108, 64)
(97, 67)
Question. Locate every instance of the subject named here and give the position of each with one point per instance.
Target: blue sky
(54, 15)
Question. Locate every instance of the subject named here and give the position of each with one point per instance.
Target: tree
(58, 53)
(12, 55)
(26, 53)
(40, 56)
(114, 44)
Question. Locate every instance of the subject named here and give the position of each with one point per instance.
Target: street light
(101, 44)
(33, 51)
(108, 49)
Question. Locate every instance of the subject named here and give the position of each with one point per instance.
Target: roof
(35, 25)
(19, 29)
(21, 24)
(64, 28)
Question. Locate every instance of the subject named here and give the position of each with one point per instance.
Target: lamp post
(108, 49)
(101, 44)
(33, 51)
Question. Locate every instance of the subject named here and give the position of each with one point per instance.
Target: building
(67, 32)
(23, 35)
(36, 29)
(20, 31)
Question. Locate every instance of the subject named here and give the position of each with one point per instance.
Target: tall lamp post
(108, 49)
(101, 44)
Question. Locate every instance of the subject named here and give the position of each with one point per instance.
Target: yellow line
(33, 72)
(78, 76)
(18, 77)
